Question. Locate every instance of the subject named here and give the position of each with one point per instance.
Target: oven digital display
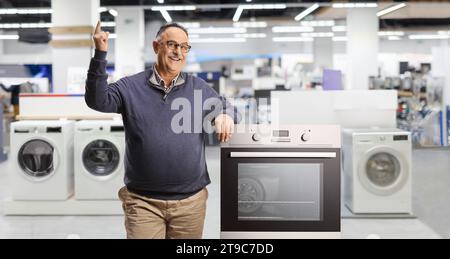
(281, 133)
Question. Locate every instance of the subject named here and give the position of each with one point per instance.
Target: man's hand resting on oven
(224, 127)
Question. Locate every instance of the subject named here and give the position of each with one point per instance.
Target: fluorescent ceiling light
(219, 40)
(318, 34)
(189, 25)
(339, 28)
(292, 39)
(391, 33)
(250, 24)
(113, 12)
(160, 1)
(217, 30)
(9, 37)
(41, 25)
(355, 5)
(241, 8)
(306, 12)
(108, 24)
(24, 25)
(429, 37)
(340, 38)
(251, 35)
(166, 15)
(281, 29)
(35, 11)
(238, 14)
(323, 23)
(394, 38)
(26, 11)
(102, 9)
(264, 6)
(390, 9)
(175, 8)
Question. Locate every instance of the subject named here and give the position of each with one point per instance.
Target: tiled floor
(431, 193)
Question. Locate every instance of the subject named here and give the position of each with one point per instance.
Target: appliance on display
(403, 67)
(407, 84)
(281, 182)
(244, 72)
(448, 125)
(99, 159)
(377, 171)
(42, 160)
(2, 154)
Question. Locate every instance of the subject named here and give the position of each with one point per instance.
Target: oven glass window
(279, 192)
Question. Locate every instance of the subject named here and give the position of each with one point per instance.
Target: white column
(130, 29)
(440, 68)
(70, 62)
(1, 45)
(323, 52)
(362, 47)
(151, 29)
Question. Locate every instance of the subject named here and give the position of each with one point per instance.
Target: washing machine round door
(101, 158)
(36, 158)
(383, 171)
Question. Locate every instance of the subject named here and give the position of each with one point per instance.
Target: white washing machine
(42, 160)
(99, 159)
(377, 171)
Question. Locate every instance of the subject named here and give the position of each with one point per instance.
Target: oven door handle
(283, 154)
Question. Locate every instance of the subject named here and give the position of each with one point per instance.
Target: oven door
(272, 190)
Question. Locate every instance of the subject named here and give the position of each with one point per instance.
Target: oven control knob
(256, 137)
(306, 137)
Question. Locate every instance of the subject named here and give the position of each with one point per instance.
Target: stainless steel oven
(281, 182)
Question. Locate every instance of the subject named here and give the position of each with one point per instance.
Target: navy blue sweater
(159, 162)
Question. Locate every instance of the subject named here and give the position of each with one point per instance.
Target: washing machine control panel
(401, 138)
(382, 138)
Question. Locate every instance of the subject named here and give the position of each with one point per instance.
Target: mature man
(165, 169)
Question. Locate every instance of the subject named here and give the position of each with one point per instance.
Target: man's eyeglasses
(173, 45)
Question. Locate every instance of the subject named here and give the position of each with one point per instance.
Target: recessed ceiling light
(113, 12)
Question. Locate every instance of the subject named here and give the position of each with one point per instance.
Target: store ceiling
(434, 14)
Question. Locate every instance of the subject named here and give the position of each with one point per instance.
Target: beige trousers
(147, 218)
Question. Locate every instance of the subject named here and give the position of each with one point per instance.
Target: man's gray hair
(170, 25)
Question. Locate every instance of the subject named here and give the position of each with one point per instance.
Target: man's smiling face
(171, 57)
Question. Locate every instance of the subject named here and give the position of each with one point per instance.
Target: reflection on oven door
(279, 192)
